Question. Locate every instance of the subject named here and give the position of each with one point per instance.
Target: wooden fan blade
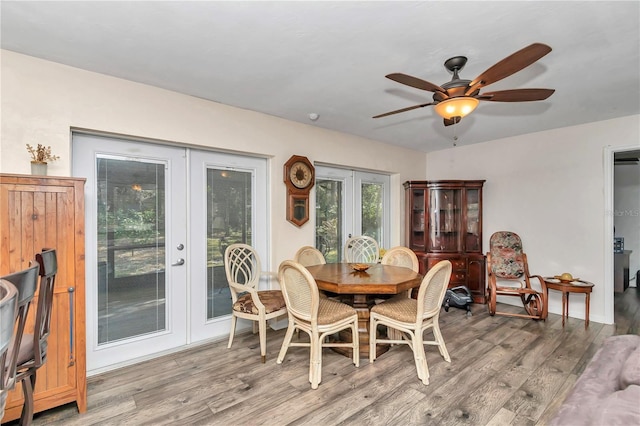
(415, 82)
(511, 64)
(403, 110)
(517, 95)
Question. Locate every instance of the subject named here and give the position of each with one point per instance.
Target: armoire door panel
(38, 213)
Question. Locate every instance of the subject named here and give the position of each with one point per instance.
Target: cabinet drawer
(458, 277)
(457, 264)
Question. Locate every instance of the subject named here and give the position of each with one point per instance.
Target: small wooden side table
(566, 287)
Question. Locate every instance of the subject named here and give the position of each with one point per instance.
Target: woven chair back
(401, 256)
(300, 291)
(361, 249)
(433, 288)
(242, 265)
(309, 256)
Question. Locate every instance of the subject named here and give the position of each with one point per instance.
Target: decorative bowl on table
(566, 277)
(360, 267)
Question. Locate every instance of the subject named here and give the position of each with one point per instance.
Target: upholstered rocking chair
(509, 276)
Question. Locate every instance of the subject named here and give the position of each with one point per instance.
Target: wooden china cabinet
(444, 221)
(39, 212)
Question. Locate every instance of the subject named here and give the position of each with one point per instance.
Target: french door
(157, 221)
(350, 202)
(228, 205)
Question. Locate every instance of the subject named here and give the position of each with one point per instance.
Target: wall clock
(299, 176)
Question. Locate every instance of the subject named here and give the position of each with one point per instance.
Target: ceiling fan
(457, 98)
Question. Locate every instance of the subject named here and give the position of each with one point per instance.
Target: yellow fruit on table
(566, 277)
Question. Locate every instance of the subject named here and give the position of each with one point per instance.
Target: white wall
(626, 208)
(41, 102)
(549, 187)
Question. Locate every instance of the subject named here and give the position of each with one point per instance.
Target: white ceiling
(290, 59)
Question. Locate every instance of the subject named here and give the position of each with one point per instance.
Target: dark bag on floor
(458, 297)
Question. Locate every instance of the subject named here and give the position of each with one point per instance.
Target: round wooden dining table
(360, 290)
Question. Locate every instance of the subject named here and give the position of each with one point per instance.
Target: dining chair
(361, 249)
(243, 269)
(318, 317)
(33, 349)
(309, 256)
(412, 317)
(25, 282)
(406, 258)
(401, 256)
(8, 309)
(508, 272)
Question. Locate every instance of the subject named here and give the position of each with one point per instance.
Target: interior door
(136, 253)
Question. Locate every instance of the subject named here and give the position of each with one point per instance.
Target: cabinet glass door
(444, 223)
(472, 237)
(417, 220)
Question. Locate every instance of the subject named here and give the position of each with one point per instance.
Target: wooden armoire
(39, 212)
(444, 221)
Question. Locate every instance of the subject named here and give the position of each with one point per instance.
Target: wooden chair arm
(543, 285)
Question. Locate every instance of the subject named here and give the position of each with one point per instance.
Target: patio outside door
(136, 248)
(155, 239)
(350, 203)
(228, 205)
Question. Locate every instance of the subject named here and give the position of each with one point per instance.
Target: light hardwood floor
(503, 371)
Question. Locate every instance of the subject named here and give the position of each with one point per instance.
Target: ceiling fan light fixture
(456, 107)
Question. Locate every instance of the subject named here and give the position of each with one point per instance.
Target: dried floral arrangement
(41, 154)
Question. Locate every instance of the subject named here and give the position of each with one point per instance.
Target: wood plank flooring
(503, 371)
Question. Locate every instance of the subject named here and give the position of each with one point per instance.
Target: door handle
(178, 262)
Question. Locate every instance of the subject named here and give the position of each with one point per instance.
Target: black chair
(25, 282)
(8, 309)
(33, 349)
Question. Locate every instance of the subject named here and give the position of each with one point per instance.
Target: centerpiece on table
(40, 157)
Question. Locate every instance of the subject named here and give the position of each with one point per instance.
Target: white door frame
(609, 153)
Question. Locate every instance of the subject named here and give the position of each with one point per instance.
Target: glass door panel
(372, 203)
(372, 212)
(228, 222)
(445, 210)
(330, 218)
(472, 239)
(417, 220)
(131, 249)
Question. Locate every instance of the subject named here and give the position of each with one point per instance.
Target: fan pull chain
(454, 136)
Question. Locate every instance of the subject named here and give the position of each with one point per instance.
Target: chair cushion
(401, 309)
(330, 311)
(506, 255)
(271, 299)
